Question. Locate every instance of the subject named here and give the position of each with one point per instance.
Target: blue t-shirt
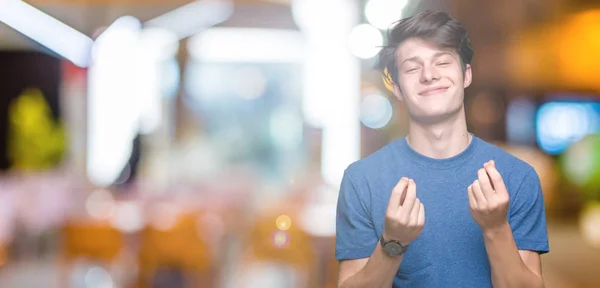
(450, 252)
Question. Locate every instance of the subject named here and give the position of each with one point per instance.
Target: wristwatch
(392, 247)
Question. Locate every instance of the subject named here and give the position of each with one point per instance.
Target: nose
(429, 74)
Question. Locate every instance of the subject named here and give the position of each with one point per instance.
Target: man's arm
(377, 271)
(404, 221)
(489, 201)
(511, 267)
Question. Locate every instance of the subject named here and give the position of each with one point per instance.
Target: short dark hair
(436, 27)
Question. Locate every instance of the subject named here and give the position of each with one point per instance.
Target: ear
(468, 76)
(397, 91)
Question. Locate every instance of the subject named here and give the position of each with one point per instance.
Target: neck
(440, 140)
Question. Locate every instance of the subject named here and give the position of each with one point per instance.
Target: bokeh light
(127, 217)
(165, 216)
(319, 220)
(250, 83)
(581, 164)
(100, 205)
(365, 41)
(171, 78)
(318, 217)
(97, 277)
(590, 224)
(308, 14)
(280, 239)
(576, 49)
(382, 13)
(375, 111)
(559, 124)
(283, 222)
(285, 127)
(158, 44)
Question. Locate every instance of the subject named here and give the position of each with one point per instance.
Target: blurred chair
(289, 254)
(96, 241)
(3, 254)
(177, 253)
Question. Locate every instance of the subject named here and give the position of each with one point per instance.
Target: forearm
(379, 271)
(508, 269)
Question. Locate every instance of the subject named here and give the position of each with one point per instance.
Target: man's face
(431, 81)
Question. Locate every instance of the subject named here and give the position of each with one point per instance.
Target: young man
(440, 207)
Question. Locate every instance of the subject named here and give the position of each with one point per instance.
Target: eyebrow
(417, 59)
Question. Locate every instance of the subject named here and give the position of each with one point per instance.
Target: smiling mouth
(434, 91)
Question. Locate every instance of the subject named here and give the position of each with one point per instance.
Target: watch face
(393, 248)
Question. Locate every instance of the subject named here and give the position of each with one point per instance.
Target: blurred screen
(562, 123)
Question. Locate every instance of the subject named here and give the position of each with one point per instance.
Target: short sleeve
(528, 215)
(355, 234)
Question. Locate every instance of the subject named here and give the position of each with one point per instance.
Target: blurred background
(178, 143)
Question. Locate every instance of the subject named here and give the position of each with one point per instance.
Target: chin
(434, 115)
(435, 112)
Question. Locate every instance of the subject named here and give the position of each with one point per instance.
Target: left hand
(489, 200)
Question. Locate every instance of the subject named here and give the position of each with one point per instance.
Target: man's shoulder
(376, 163)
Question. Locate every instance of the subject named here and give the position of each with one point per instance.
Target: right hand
(405, 216)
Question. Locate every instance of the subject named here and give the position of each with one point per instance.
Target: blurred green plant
(36, 141)
(581, 166)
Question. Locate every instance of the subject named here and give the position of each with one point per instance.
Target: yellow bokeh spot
(283, 222)
(386, 80)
